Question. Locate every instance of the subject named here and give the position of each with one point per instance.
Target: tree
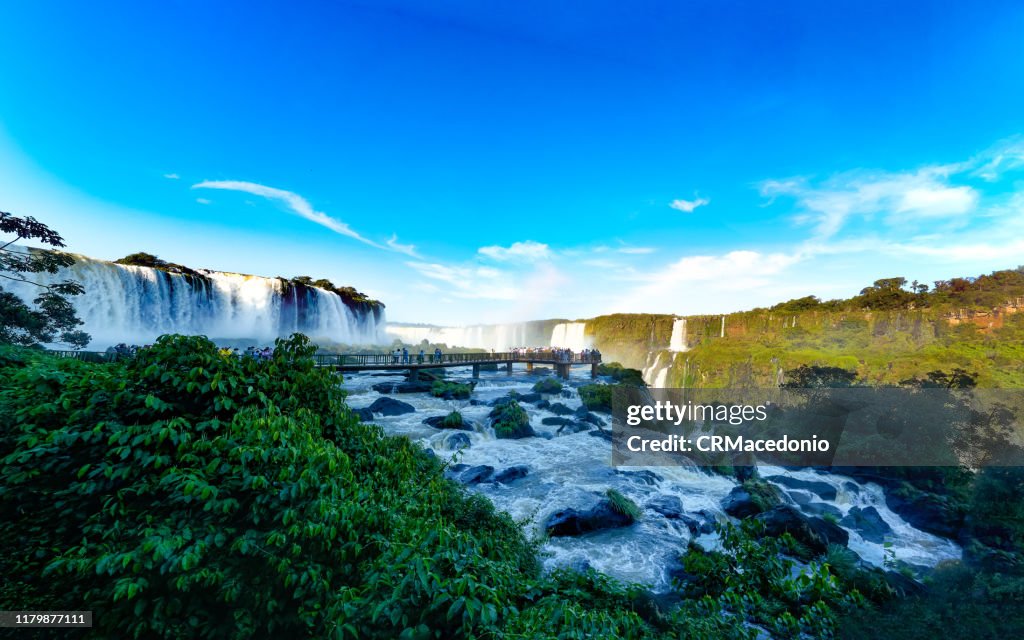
(53, 318)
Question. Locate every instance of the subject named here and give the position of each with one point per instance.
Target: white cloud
(407, 249)
(296, 203)
(637, 250)
(688, 206)
(203, 200)
(898, 198)
(172, 176)
(528, 251)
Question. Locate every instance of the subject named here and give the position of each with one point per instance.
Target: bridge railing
(388, 359)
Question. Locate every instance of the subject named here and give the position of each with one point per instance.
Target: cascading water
(570, 470)
(135, 304)
(499, 337)
(570, 335)
(678, 340)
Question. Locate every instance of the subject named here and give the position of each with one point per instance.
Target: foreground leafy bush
(183, 494)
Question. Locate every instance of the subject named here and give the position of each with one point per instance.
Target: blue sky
(485, 162)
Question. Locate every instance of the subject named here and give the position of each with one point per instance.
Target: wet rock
(927, 512)
(391, 407)
(643, 476)
(740, 504)
(601, 433)
(402, 387)
(476, 475)
(556, 421)
(708, 520)
(530, 398)
(438, 423)
(573, 522)
(365, 415)
(573, 427)
(852, 487)
(822, 509)
(511, 474)
(868, 523)
(560, 409)
(815, 533)
(457, 441)
(903, 585)
(669, 506)
(543, 404)
(822, 489)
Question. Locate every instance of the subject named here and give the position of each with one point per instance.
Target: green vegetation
(621, 374)
(548, 385)
(453, 420)
(352, 298)
(597, 397)
(510, 420)
(149, 260)
(53, 318)
(763, 494)
(450, 390)
(623, 505)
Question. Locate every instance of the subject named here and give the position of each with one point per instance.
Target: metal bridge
(413, 363)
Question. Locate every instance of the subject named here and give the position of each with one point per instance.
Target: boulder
(740, 504)
(438, 423)
(365, 415)
(927, 512)
(573, 427)
(868, 523)
(642, 476)
(506, 476)
(391, 407)
(821, 509)
(560, 409)
(815, 533)
(669, 506)
(543, 404)
(601, 433)
(573, 522)
(556, 421)
(822, 489)
(531, 398)
(402, 387)
(456, 441)
(475, 475)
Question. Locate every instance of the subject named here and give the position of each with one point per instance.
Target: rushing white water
(136, 304)
(570, 335)
(678, 340)
(499, 337)
(573, 470)
(654, 373)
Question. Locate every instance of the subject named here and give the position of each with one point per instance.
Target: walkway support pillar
(563, 370)
(508, 368)
(593, 369)
(529, 367)
(414, 374)
(476, 371)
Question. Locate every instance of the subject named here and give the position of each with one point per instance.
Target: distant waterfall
(678, 340)
(500, 337)
(136, 304)
(570, 335)
(654, 373)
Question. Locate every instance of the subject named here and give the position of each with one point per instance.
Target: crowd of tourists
(555, 353)
(401, 356)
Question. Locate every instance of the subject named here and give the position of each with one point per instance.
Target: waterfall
(137, 304)
(570, 335)
(500, 337)
(678, 339)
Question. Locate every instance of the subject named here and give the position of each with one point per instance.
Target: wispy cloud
(636, 250)
(407, 249)
(172, 176)
(688, 206)
(528, 251)
(203, 201)
(293, 201)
